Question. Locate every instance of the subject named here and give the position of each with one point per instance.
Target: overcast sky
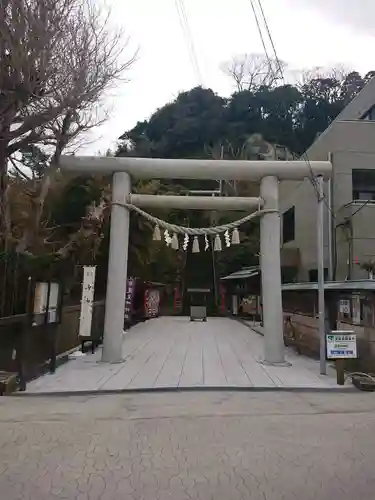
(306, 33)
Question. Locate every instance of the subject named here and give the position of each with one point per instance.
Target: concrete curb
(243, 322)
(155, 390)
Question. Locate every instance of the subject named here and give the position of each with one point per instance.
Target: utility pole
(320, 257)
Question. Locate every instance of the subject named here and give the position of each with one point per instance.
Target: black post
(20, 351)
(51, 332)
(340, 371)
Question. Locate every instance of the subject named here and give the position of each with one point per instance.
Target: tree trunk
(4, 213)
(29, 239)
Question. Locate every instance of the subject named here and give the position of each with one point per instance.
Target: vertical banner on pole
(129, 298)
(88, 287)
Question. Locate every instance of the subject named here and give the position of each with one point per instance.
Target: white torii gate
(269, 173)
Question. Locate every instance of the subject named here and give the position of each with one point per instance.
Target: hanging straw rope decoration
(157, 235)
(186, 242)
(195, 248)
(188, 232)
(227, 239)
(167, 238)
(217, 243)
(235, 237)
(174, 242)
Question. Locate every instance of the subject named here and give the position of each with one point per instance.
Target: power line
(184, 22)
(360, 208)
(260, 33)
(311, 176)
(278, 62)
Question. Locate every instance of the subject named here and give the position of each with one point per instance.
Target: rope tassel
(195, 245)
(157, 235)
(174, 242)
(217, 244)
(235, 237)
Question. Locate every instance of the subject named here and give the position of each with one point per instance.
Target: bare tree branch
(19, 171)
(338, 73)
(251, 71)
(58, 58)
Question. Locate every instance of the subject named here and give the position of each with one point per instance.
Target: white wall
(349, 144)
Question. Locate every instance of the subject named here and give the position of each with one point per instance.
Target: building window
(289, 225)
(281, 153)
(363, 183)
(289, 274)
(313, 275)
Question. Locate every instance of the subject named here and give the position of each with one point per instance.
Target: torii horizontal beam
(157, 168)
(222, 203)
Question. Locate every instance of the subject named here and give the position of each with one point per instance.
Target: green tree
(291, 115)
(180, 129)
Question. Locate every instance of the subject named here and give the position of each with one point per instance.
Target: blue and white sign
(341, 345)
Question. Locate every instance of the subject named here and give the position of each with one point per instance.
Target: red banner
(176, 298)
(222, 298)
(152, 303)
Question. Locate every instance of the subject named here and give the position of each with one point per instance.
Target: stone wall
(307, 327)
(308, 332)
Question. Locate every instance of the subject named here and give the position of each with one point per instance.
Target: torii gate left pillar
(268, 172)
(117, 269)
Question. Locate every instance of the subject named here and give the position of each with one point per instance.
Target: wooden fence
(27, 349)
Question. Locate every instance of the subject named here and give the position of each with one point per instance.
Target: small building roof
(245, 272)
(350, 285)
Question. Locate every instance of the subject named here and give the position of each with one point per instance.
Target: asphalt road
(203, 445)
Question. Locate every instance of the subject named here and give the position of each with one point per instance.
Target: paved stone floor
(183, 446)
(174, 352)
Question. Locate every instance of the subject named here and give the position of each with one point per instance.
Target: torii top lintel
(157, 168)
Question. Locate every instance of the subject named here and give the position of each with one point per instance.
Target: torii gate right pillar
(270, 263)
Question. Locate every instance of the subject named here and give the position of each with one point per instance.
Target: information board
(341, 345)
(345, 306)
(46, 303)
